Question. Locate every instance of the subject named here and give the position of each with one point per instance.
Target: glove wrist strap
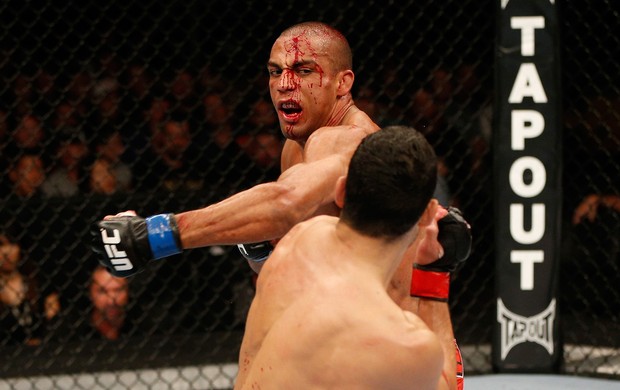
(430, 284)
(163, 235)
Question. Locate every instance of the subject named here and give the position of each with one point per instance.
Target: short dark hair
(391, 179)
(342, 57)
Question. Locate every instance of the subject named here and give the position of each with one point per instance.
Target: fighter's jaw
(289, 129)
(290, 116)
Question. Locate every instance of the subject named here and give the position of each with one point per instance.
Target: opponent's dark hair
(391, 179)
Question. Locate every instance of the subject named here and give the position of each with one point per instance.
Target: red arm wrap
(430, 284)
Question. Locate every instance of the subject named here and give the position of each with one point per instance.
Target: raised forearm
(264, 212)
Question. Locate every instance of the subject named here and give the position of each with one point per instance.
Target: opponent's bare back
(342, 317)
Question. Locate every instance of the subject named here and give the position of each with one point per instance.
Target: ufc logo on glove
(117, 257)
(125, 244)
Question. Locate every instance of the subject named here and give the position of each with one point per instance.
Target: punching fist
(455, 239)
(432, 280)
(125, 243)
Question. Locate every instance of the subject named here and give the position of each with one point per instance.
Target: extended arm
(267, 211)
(437, 251)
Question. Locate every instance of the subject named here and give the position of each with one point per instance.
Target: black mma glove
(432, 281)
(455, 239)
(125, 244)
(256, 252)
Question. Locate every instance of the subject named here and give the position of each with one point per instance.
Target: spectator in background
(170, 163)
(108, 68)
(99, 312)
(105, 92)
(236, 156)
(109, 297)
(183, 94)
(22, 95)
(106, 105)
(109, 173)
(425, 114)
(589, 207)
(78, 93)
(23, 314)
(158, 111)
(138, 84)
(392, 95)
(599, 215)
(5, 184)
(210, 81)
(102, 179)
(592, 203)
(469, 115)
(591, 246)
(65, 121)
(27, 137)
(44, 88)
(217, 118)
(262, 142)
(441, 87)
(138, 81)
(67, 175)
(27, 175)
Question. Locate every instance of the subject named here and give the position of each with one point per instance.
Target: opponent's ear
(340, 191)
(345, 82)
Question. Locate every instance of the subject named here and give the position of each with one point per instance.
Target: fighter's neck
(345, 107)
(372, 255)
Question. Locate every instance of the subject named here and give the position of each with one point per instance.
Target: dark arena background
(87, 88)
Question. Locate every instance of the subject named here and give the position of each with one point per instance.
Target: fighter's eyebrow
(296, 64)
(301, 63)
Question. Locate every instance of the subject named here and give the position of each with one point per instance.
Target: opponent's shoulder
(308, 230)
(413, 356)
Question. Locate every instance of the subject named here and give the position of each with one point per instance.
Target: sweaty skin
(334, 299)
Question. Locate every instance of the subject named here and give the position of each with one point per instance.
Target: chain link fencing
(92, 96)
(591, 242)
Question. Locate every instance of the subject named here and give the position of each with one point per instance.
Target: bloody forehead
(303, 45)
(311, 38)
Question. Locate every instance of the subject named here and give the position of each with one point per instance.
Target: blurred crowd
(117, 129)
